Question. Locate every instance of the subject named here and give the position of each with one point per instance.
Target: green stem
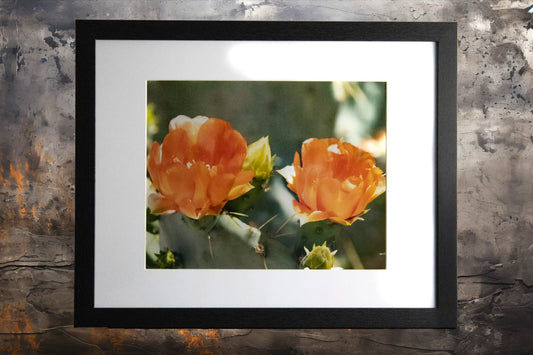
(210, 247)
(352, 254)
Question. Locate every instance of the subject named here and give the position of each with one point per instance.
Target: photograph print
(266, 175)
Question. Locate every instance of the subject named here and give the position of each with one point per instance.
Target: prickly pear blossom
(198, 168)
(334, 180)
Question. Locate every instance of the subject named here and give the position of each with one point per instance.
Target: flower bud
(259, 159)
(319, 258)
(152, 121)
(165, 259)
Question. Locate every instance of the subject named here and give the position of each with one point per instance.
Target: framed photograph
(265, 174)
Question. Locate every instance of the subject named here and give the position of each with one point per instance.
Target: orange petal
(154, 161)
(327, 195)
(315, 152)
(219, 188)
(300, 208)
(188, 208)
(307, 215)
(218, 144)
(159, 204)
(177, 147)
(345, 222)
(380, 188)
(207, 141)
(241, 185)
(200, 174)
(212, 210)
(309, 188)
(239, 190)
(298, 179)
(178, 183)
(232, 151)
(244, 177)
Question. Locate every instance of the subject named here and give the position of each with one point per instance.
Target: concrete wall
(495, 165)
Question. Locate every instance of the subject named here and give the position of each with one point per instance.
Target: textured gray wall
(495, 165)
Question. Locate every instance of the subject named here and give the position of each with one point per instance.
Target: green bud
(165, 259)
(319, 258)
(259, 159)
(152, 120)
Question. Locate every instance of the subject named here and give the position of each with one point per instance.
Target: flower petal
(189, 125)
(177, 147)
(288, 173)
(218, 144)
(220, 187)
(201, 183)
(154, 161)
(241, 185)
(239, 190)
(159, 204)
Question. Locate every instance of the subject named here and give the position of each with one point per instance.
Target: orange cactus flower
(197, 168)
(335, 181)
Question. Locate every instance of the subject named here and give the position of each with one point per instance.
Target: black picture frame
(442, 316)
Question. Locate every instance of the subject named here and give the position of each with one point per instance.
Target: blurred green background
(289, 113)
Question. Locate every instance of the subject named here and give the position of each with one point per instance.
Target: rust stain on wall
(15, 319)
(17, 179)
(34, 195)
(200, 339)
(115, 339)
(4, 181)
(17, 175)
(35, 212)
(21, 344)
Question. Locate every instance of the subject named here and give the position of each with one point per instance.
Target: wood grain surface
(495, 193)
